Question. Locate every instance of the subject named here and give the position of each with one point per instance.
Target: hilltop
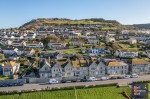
(65, 22)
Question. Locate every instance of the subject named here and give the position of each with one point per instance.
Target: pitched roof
(114, 64)
(65, 64)
(43, 63)
(10, 64)
(139, 61)
(76, 64)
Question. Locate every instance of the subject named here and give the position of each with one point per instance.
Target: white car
(134, 76)
(104, 78)
(53, 81)
(127, 76)
(92, 79)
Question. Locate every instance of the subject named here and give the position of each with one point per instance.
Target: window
(42, 75)
(92, 68)
(45, 68)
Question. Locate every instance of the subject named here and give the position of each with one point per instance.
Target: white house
(132, 41)
(110, 39)
(126, 53)
(18, 43)
(34, 44)
(93, 41)
(30, 36)
(91, 36)
(9, 51)
(56, 45)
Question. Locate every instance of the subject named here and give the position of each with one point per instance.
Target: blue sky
(14, 13)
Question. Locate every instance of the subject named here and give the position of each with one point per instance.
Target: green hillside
(65, 22)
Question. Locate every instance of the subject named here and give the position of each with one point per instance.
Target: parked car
(83, 80)
(92, 79)
(53, 81)
(113, 78)
(134, 76)
(104, 78)
(127, 76)
(120, 77)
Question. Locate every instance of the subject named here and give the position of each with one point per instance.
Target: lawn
(127, 46)
(72, 51)
(4, 77)
(89, 93)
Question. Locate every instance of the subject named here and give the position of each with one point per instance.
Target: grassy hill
(64, 22)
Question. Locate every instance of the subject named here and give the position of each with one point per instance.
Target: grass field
(4, 77)
(72, 51)
(89, 93)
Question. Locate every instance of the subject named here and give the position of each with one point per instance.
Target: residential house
(132, 41)
(126, 53)
(34, 44)
(78, 43)
(93, 69)
(93, 41)
(96, 50)
(73, 36)
(18, 43)
(101, 69)
(30, 36)
(110, 39)
(58, 56)
(115, 67)
(91, 36)
(80, 70)
(18, 37)
(67, 69)
(56, 71)
(45, 69)
(9, 51)
(139, 66)
(5, 42)
(10, 68)
(10, 37)
(148, 53)
(56, 45)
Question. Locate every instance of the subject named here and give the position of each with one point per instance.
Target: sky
(14, 13)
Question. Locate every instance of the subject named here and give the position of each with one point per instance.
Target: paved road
(38, 86)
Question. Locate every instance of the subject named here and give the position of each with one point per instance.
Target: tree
(2, 56)
(46, 41)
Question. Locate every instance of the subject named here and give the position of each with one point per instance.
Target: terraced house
(115, 67)
(139, 66)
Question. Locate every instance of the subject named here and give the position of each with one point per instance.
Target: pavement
(40, 86)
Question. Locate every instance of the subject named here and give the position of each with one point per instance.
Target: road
(38, 86)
